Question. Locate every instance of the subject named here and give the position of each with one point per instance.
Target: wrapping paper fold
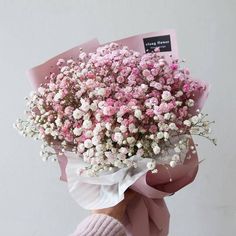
(136, 43)
(37, 74)
(147, 215)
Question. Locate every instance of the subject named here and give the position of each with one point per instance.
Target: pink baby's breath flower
(125, 122)
(150, 78)
(162, 108)
(91, 75)
(186, 88)
(174, 66)
(150, 112)
(58, 107)
(110, 101)
(183, 112)
(154, 72)
(109, 111)
(49, 97)
(153, 129)
(69, 110)
(146, 73)
(69, 137)
(60, 62)
(60, 76)
(41, 130)
(120, 79)
(119, 95)
(50, 118)
(132, 102)
(124, 109)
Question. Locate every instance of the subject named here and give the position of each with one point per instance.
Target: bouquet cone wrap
(147, 214)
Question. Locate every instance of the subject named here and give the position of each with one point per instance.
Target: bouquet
(115, 113)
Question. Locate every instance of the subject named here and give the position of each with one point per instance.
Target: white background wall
(33, 202)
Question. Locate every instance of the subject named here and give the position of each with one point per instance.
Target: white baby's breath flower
(85, 106)
(88, 143)
(108, 126)
(173, 126)
(41, 90)
(77, 131)
(93, 106)
(121, 156)
(118, 137)
(98, 117)
(156, 149)
(132, 128)
(99, 147)
(54, 133)
(163, 126)
(148, 104)
(118, 163)
(178, 103)
(81, 148)
(139, 145)
(194, 119)
(123, 128)
(107, 133)
(187, 122)
(48, 130)
(87, 124)
(119, 119)
(123, 150)
(160, 135)
(101, 91)
(95, 140)
(77, 114)
(155, 118)
(101, 104)
(166, 135)
(190, 102)
(58, 96)
(90, 152)
(173, 164)
(138, 114)
(95, 167)
(151, 165)
(89, 133)
(144, 87)
(179, 94)
(130, 140)
(167, 116)
(153, 144)
(166, 96)
(200, 115)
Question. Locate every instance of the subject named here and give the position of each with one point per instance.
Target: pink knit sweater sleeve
(99, 225)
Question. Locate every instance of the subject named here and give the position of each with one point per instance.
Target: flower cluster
(114, 104)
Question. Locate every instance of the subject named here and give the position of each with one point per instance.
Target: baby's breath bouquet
(116, 104)
(114, 114)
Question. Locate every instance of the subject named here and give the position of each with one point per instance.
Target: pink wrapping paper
(136, 43)
(147, 215)
(37, 74)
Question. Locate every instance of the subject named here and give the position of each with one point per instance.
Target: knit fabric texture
(99, 225)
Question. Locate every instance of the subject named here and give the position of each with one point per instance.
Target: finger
(130, 194)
